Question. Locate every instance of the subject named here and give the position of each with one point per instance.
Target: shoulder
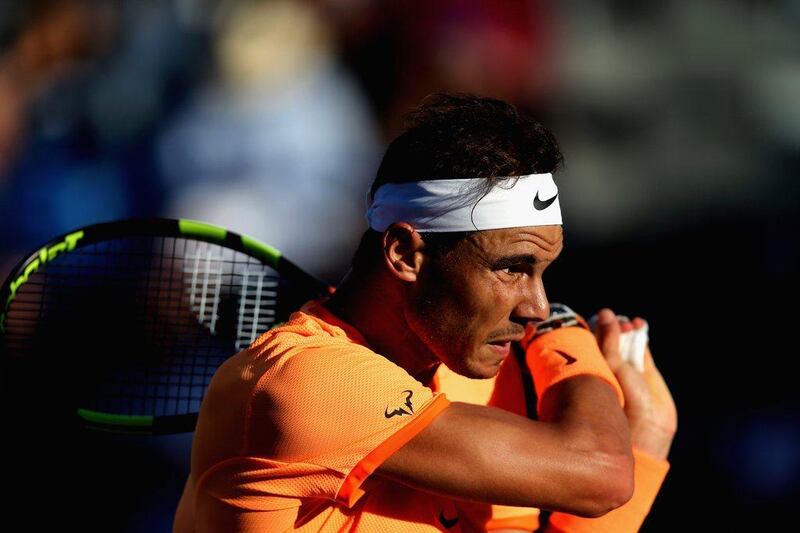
(320, 365)
(313, 341)
(323, 384)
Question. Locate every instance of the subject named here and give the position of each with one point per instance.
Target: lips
(500, 348)
(503, 340)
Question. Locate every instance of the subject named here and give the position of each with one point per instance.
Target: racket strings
(172, 308)
(256, 306)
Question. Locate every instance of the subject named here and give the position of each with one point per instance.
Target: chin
(478, 365)
(477, 375)
(481, 369)
(490, 371)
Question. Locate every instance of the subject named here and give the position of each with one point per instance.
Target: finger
(656, 383)
(650, 367)
(626, 338)
(654, 378)
(608, 330)
(595, 328)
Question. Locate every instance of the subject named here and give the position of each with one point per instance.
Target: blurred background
(680, 126)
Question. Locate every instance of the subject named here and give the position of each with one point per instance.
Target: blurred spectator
(46, 42)
(279, 143)
(403, 51)
(83, 84)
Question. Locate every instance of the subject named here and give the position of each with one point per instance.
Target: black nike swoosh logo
(447, 522)
(401, 410)
(541, 205)
(569, 358)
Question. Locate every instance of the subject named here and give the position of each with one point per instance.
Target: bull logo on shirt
(407, 409)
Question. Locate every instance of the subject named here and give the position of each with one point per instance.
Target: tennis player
(430, 392)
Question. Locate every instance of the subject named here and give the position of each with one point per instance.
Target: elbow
(608, 473)
(612, 486)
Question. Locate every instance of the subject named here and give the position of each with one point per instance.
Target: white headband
(450, 204)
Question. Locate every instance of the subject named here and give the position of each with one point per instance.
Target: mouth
(501, 348)
(504, 340)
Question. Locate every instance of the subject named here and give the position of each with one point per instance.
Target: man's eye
(514, 269)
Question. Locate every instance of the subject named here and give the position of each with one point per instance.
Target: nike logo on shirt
(447, 522)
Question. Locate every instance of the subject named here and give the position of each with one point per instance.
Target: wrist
(649, 466)
(564, 353)
(652, 440)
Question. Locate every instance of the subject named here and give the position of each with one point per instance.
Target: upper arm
(487, 454)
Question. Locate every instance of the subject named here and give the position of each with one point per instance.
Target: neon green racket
(120, 326)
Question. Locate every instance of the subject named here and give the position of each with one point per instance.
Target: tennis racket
(120, 326)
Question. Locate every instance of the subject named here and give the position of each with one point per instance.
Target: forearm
(579, 393)
(489, 455)
(581, 398)
(649, 476)
(587, 411)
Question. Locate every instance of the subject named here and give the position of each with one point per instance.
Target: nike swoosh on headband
(541, 205)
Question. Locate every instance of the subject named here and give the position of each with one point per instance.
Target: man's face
(470, 304)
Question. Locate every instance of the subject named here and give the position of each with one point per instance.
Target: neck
(374, 308)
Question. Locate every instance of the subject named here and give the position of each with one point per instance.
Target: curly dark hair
(461, 136)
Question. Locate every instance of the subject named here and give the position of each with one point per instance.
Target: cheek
(444, 314)
(465, 314)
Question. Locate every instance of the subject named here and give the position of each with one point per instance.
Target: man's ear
(402, 251)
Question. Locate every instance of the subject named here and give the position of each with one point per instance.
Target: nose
(532, 305)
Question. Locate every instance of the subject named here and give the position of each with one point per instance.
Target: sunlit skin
(463, 309)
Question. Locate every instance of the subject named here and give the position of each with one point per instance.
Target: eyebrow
(505, 262)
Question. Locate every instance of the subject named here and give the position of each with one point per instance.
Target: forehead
(545, 242)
